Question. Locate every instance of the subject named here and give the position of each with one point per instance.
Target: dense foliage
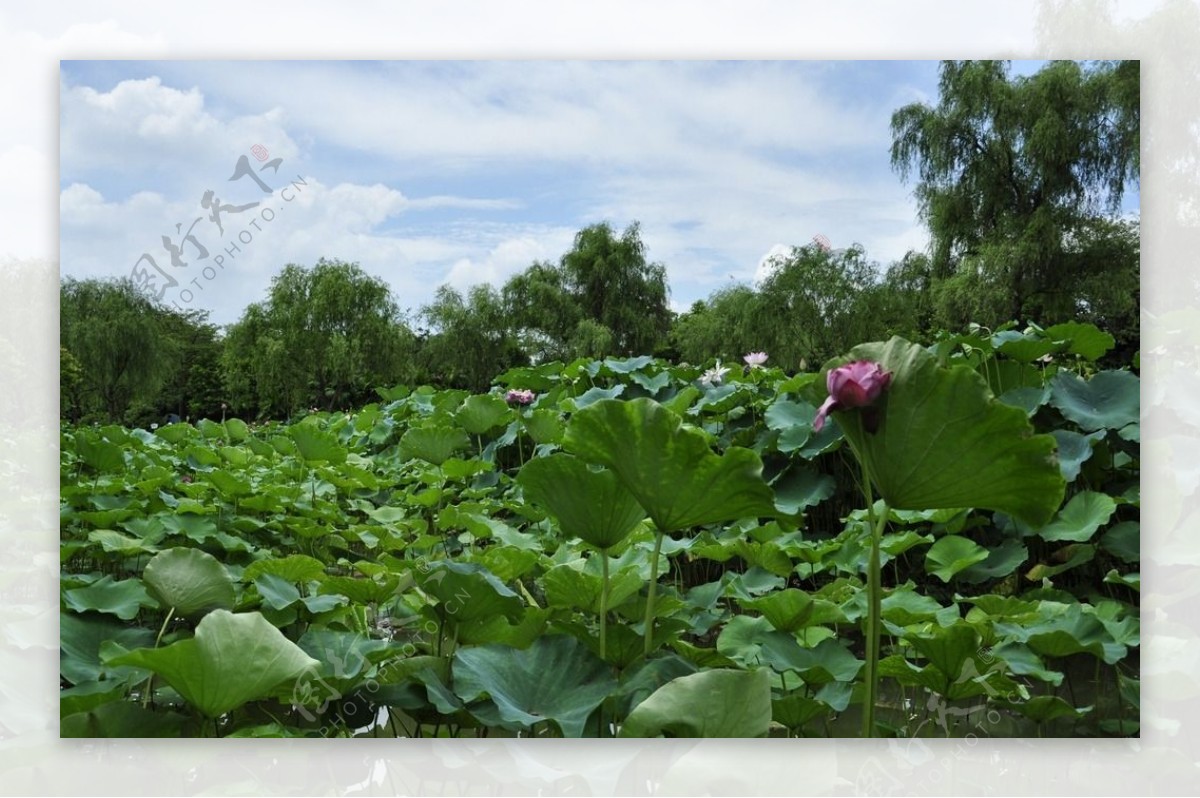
(630, 548)
(1020, 181)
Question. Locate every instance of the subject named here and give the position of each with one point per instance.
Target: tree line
(1019, 180)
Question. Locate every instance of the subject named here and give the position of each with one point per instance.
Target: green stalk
(874, 607)
(658, 539)
(157, 640)
(603, 602)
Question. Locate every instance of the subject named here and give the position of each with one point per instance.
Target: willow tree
(614, 287)
(1013, 174)
(470, 341)
(541, 313)
(326, 336)
(727, 325)
(118, 349)
(813, 301)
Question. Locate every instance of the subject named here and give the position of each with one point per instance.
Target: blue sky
(464, 172)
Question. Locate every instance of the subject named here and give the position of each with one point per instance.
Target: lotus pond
(625, 547)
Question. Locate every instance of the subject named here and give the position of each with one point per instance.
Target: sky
(202, 179)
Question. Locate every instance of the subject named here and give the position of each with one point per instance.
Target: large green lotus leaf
(88, 696)
(640, 681)
(1001, 561)
(947, 648)
(1080, 518)
(1086, 340)
(1022, 347)
(629, 364)
(800, 487)
(99, 454)
(1124, 540)
(80, 639)
(277, 593)
(231, 660)
(507, 563)
(786, 610)
(751, 641)
(1109, 400)
(190, 580)
(794, 710)
(590, 505)
(316, 445)
(567, 586)
(1021, 660)
(1028, 399)
(669, 468)
(210, 429)
(498, 629)
(293, 568)
(344, 655)
(556, 679)
(544, 426)
(174, 433)
(1065, 629)
(904, 606)
(827, 661)
(190, 525)
(653, 384)
(468, 592)
(943, 441)
(716, 703)
(360, 591)
(113, 541)
(1069, 557)
(433, 444)
(597, 394)
(952, 554)
(236, 429)
(1073, 451)
(123, 599)
(122, 719)
(228, 484)
(482, 412)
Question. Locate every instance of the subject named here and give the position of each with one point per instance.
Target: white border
(34, 761)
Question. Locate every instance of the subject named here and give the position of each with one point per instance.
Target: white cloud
(308, 221)
(144, 131)
(508, 257)
(718, 162)
(770, 261)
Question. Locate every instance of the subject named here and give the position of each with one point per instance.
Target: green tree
(70, 385)
(194, 389)
(115, 337)
(326, 336)
(814, 302)
(614, 286)
(1012, 176)
(542, 313)
(905, 297)
(470, 341)
(725, 326)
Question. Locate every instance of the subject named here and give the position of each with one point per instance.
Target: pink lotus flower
(755, 359)
(856, 384)
(516, 397)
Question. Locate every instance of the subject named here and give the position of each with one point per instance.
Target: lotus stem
(874, 619)
(603, 603)
(658, 539)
